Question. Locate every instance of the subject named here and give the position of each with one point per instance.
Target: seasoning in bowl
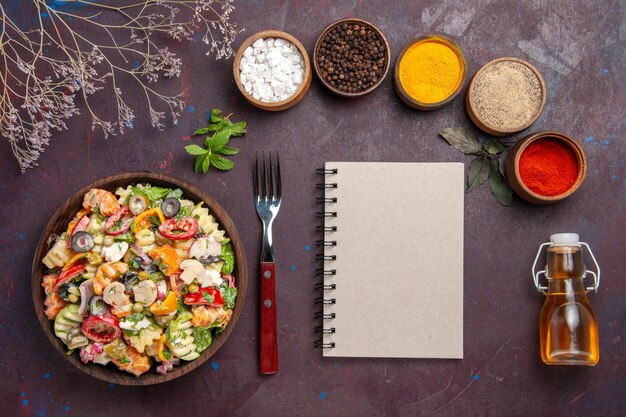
(506, 96)
(548, 167)
(271, 70)
(351, 57)
(429, 72)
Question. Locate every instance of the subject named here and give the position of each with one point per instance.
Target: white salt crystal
(271, 70)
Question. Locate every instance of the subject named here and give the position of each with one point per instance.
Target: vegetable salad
(140, 277)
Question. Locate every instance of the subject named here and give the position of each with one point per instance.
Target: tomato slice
(117, 224)
(102, 329)
(182, 229)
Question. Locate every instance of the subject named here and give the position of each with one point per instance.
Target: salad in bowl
(140, 278)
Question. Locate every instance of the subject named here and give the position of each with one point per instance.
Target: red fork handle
(269, 345)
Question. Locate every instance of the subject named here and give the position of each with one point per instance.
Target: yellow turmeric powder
(430, 71)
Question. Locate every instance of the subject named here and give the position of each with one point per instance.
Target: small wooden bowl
(515, 180)
(410, 101)
(300, 92)
(316, 63)
(58, 224)
(492, 130)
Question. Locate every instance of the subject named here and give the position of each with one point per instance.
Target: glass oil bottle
(568, 329)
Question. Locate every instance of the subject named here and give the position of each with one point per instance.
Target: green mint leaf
(200, 162)
(201, 131)
(478, 173)
(218, 140)
(462, 139)
(213, 127)
(195, 150)
(221, 163)
(237, 129)
(206, 163)
(499, 187)
(227, 150)
(493, 146)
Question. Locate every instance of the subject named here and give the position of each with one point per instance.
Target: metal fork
(267, 197)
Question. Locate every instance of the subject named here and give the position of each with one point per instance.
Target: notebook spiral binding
(322, 272)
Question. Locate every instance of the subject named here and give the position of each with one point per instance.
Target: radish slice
(203, 247)
(86, 292)
(161, 290)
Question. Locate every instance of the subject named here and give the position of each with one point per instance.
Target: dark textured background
(578, 47)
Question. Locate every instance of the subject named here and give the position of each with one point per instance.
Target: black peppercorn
(351, 57)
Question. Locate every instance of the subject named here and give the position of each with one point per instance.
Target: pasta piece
(186, 203)
(95, 225)
(123, 194)
(90, 271)
(219, 235)
(182, 248)
(59, 253)
(98, 241)
(198, 211)
(146, 240)
(207, 223)
(144, 338)
(180, 338)
(153, 350)
(66, 321)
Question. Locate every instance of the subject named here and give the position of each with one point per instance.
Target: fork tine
(255, 175)
(270, 193)
(279, 190)
(263, 177)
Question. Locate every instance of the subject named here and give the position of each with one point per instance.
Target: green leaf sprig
(216, 143)
(486, 167)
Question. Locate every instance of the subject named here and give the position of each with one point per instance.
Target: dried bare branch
(72, 52)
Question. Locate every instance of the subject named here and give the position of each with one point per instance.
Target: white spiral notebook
(393, 260)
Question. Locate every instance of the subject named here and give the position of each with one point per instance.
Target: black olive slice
(170, 207)
(82, 242)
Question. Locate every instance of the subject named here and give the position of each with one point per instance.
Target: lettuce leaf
(229, 258)
(153, 193)
(202, 338)
(229, 295)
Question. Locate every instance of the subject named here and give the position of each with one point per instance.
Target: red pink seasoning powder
(548, 167)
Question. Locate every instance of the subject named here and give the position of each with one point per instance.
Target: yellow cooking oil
(568, 328)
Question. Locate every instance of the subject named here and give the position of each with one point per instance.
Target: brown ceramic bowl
(483, 124)
(278, 105)
(515, 180)
(332, 87)
(416, 104)
(58, 224)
